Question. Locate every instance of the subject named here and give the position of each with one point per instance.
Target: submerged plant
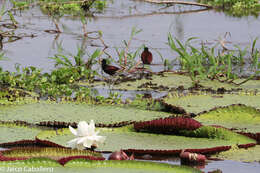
(86, 136)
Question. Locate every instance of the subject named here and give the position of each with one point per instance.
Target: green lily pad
(199, 103)
(48, 152)
(82, 165)
(10, 132)
(243, 155)
(240, 117)
(169, 81)
(72, 112)
(126, 138)
(23, 165)
(125, 166)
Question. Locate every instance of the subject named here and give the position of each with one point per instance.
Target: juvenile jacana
(109, 69)
(146, 56)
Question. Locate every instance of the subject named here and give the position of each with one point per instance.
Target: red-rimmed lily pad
(126, 138)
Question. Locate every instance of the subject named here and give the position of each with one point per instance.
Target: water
(116, 24)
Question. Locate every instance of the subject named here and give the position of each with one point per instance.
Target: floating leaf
(167, 125)
(10, 131)
(126, 138)
(205, 102)
(238, 117)
(72, 112)
(49, 152)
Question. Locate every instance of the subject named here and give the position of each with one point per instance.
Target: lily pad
(115, 166)
(240, 117)
(243, 155)
(72, 112)
(167, 81)
(126, 138)
(82, 166)
(10, 132)
(48, 152)
(199, 103)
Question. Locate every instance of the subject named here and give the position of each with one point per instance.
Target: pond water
(116, 23)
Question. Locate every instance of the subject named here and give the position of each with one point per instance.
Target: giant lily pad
(90, 166)
(72, 112)
(244, 155)
(12, 132)
(166, 81)
(129, 166)
(199, 103)
(240, 117)
(50, 152)
(126, 138)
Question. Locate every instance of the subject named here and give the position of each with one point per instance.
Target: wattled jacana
(146, 56)
(109, 69)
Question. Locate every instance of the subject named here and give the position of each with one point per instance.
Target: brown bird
(146, 56)
(109, 69)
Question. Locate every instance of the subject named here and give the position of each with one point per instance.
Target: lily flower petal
(86, 136)
(73, 131)
(82, 128)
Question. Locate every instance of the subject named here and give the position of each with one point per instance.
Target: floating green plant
(73, 112)
(10, 132)
(126, 138)
(43, 163)
(197, 103)
(49, 152)
(167, 125)
(240, 117)
(218, 133)
(130, 166)
(171, 81)
(243, 155)
(83, 165)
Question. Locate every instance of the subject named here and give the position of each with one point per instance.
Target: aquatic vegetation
(203, 63)
(10, 131)
(236, 7)
(242, 155)
(167, 125)
(63, 111)
(240, 117)
(81, 165)
(126, 138)
(201, 103)
(48, 152)
(30, 143)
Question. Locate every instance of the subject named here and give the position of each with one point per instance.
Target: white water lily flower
(86, 136)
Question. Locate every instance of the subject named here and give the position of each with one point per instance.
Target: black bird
(146, 56)
(109, 69)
